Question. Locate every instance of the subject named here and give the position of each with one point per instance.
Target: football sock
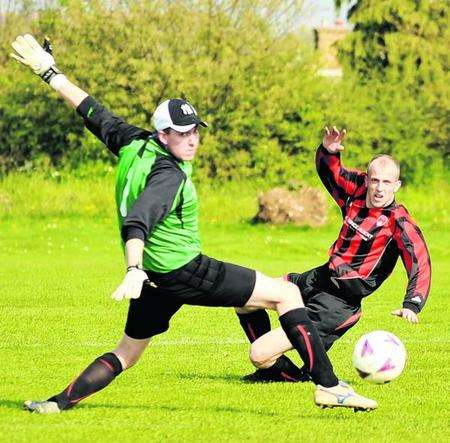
(255, 324)
(99, 374)
(327, 343)
(305, 339)
(288, 370)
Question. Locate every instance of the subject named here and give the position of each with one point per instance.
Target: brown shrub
(306, 206)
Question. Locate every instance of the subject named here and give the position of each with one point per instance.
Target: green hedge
(255, 84)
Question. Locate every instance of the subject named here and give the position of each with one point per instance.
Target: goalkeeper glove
(131, 286)
(39, 59)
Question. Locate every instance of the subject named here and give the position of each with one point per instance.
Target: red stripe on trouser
(351, 320)
(305, 336)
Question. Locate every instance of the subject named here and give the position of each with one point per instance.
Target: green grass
(57, 272)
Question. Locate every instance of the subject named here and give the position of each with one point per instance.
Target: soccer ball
(379, 357)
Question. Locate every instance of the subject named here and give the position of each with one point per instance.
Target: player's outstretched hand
(407, 314)
(30, 53)
(332, 139)
(131, 286)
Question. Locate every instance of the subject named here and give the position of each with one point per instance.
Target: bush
(253, 84)
(252, 79)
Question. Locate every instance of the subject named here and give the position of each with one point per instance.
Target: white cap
(177, 114)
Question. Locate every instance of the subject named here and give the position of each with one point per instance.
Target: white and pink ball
(379, 357)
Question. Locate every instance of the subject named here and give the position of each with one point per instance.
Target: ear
(162, 137)
(397, 185)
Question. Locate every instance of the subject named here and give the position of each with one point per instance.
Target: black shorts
(330, 309)
(204, 281)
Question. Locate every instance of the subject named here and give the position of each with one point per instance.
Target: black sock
(305, 339)
(327, 343)
(255, 324)
(287, 368)
(99, 374)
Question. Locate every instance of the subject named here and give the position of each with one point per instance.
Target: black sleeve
(155, 201)
(107, 127)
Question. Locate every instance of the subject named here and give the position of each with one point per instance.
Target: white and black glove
(39, 59)
(131, 285)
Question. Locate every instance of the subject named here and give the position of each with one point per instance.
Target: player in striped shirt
(376, 230)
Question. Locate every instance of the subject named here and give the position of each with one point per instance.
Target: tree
(403, 40)
(403, 46)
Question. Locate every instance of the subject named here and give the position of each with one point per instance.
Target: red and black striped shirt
(371, 239)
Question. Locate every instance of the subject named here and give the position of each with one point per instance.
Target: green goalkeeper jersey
(156, 199)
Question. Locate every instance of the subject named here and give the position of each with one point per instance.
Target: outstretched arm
(339, 181)
(40, 60)
(70, 92)
(110, 129)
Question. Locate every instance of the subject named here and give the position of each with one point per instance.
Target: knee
(258, 357)
(292, 293)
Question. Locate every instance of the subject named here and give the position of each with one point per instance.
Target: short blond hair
(386, 157)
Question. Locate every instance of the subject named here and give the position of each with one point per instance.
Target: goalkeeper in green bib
(157, 210)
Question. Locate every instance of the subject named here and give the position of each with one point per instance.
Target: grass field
(57, 272)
